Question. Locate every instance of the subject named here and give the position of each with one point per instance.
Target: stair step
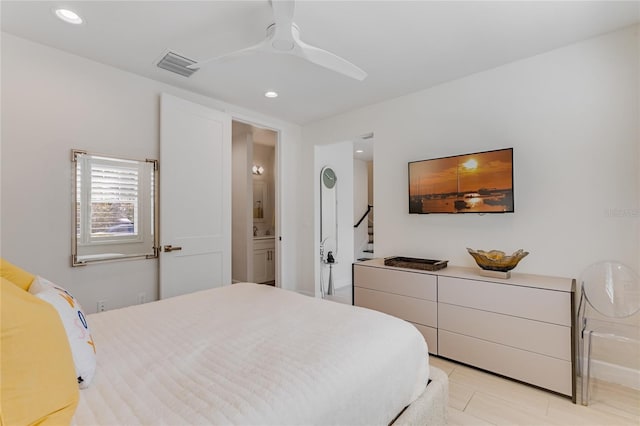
(367, 251)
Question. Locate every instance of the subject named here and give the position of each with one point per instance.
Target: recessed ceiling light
(359, 151)
(271, 94)
(68, 16)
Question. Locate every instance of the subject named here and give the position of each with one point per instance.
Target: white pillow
(75, 324)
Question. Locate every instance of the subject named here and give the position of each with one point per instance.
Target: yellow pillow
(18, 276)
(37, 382)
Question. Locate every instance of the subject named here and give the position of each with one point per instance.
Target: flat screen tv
(481, 182)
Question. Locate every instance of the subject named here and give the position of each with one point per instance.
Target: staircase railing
(369, 207)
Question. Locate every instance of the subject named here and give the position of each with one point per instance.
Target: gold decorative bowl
(496, 260)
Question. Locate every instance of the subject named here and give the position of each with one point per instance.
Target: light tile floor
(341, 295)
(479, 398)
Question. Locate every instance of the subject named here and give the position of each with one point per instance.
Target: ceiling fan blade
(227, 56)
(284, 37)
(328, 60)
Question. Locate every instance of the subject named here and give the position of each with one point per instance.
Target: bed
(251, 354)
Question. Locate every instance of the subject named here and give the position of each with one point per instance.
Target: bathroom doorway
(254, 204)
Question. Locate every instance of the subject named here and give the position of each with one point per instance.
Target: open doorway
(254, 199)
(363, 206)
(351, 164)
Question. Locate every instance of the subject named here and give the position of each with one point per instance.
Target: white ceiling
(404, 46)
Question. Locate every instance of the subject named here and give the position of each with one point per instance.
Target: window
(114, 208)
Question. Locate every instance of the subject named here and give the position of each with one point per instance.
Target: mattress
(251, 354)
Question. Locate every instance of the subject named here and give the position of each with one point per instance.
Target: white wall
(572, 116)
(52, 102)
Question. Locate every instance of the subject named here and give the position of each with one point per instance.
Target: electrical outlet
(142, 298)
(102, 305)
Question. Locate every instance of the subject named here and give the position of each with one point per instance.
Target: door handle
(169, 248)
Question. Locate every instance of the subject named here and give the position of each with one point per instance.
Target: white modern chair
(613, 290)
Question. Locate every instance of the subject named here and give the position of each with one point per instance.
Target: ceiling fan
(283, 36)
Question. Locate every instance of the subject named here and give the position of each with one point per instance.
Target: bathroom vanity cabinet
(264, 264)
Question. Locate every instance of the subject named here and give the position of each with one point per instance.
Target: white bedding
(251, 354)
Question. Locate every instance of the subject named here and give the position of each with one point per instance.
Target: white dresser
(521, 327)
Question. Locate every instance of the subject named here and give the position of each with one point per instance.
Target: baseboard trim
(613, 373)
(341, 283)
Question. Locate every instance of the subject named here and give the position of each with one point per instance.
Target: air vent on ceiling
(177, 64)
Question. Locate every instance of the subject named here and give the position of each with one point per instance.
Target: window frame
(81, 199)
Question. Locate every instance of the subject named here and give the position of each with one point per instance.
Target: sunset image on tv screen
(471, 183)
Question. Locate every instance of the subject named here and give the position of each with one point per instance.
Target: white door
(195, 197)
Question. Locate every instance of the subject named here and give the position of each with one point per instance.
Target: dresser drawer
(430, 335)
(526, 302)
(422, 286)
(535, 336)
(420, 311)
(540, 370)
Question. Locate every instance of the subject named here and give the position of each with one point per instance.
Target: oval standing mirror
(328, 213)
